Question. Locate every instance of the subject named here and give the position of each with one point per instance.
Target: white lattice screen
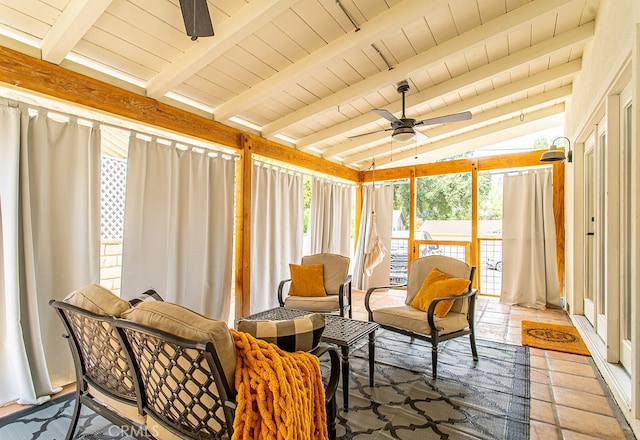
(114, 172)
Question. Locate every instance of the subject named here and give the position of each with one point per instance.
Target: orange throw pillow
(307, 280)
(438, 284)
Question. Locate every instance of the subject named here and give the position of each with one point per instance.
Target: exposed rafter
(228, 33)
(475, 37)
(561, 72)
(376, 28)
(78, 16)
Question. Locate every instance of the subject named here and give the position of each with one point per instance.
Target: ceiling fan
(404, 128)
(197, 21)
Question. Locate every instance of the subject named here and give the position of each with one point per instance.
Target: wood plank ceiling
(301, 73)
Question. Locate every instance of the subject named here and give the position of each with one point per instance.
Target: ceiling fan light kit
(403, 134)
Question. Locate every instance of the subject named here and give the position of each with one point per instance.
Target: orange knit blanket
(280, 394)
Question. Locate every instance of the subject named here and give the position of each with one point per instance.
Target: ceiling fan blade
(385, 114)
(371, 132)
(420, 136)
(442, 119)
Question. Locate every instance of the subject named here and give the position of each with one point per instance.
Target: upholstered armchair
(435, 283)
(332, 293)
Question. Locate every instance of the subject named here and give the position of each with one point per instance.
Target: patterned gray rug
(484, 400)
(488, 399)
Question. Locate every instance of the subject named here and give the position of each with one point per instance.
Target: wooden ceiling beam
(518, 107)
(447, 146)
(76, 19)
(375, 29)
(436, 56)
(230, 32)
(24, 72)
(564, 71)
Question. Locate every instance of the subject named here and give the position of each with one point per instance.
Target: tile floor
(568, 401)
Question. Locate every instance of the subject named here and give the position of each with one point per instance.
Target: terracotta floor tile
(581, 400)
(579, 369)
(538, 362)
(588, 423)
(567, 356)
(542, 411)
(580, 383)
(540, 391)
(539, 376)
(571, 435)
(543, 431)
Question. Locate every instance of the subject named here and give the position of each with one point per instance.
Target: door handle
(591, 233)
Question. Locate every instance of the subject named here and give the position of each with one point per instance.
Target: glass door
(589, 222)
(626, 221)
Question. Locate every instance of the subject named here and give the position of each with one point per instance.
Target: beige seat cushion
(128, 410)
(415, 320)
(327, 303)
(185, 323)
(98, 300)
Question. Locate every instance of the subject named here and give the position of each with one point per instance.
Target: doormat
(553, 337)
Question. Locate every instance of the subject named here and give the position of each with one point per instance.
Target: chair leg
(434, 360)
(73, 423)
(474, 350)
(331, 418)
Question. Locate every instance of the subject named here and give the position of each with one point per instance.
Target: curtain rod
(143, 130)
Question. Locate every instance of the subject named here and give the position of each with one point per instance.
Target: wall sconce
(555, 155)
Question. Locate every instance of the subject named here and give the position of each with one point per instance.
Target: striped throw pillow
(149, 295)
(295, 334)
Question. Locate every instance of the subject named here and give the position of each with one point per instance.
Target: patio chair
(334, 290)
(435, 283)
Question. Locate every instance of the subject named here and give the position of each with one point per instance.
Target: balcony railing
(489, 270)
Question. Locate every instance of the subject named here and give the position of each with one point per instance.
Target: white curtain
(384, 220)
(330, 222)
(277, 208)
(50, 225)
(529, 269)
(178, 227)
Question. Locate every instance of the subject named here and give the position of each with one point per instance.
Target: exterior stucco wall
(603, 58)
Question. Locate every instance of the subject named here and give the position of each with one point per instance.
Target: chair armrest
(280, 289)
(434, 302)
(345, 286)
(367, 296)
(332, 385)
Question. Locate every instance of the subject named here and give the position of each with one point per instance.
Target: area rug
(488, 399)
(50, 421)
(553, 337)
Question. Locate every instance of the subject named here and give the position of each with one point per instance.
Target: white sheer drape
(178, 230)
(330, 222)
(384, 219)
(277, 208)
(529, 268)
(50, 198)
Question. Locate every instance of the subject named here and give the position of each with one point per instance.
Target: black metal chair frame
(107, 354)
(435, 337)
(90, 352)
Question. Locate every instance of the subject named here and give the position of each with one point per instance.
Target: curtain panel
(384, 219)
(277, 208)
(529, 268)
(330, 219)
(50, 225)
(179, 225)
